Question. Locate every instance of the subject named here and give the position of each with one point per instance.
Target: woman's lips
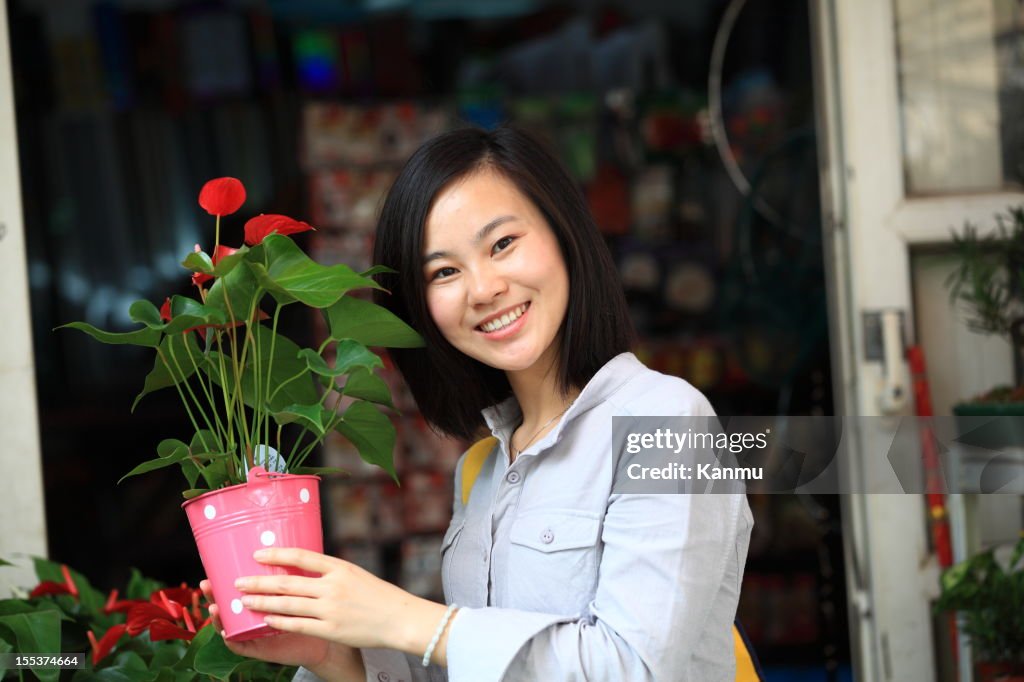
(508, 331)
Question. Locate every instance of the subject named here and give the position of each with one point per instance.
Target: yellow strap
(745, 670)
(475, 458)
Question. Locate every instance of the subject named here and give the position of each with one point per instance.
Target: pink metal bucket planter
(270, 510)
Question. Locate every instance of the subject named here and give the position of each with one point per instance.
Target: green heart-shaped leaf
(288, 270)
(146, 313)
(176, 360)
(372, 433)
(363, 383)
(147, 336)
(198, 261)
(312, 417)
(370, 325)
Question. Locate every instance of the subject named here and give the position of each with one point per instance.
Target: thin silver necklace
(519, 451)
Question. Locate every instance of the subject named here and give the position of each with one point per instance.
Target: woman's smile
(504, 325)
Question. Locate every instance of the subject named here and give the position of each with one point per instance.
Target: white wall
(22, 520)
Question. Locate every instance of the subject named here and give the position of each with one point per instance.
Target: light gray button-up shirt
(560, 579)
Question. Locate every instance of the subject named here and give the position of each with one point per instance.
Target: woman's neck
(538, 393)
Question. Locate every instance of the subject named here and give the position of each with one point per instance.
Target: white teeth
(504, 320)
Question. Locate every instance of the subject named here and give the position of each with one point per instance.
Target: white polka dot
(267, 538)
(210, 511)
(304, 495)
(236, 605)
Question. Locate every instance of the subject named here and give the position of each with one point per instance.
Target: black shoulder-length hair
(450, 387)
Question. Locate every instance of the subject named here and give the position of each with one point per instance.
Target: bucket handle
(260, 472)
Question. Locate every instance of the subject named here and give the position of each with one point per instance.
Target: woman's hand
(324, 658)
(343, 604)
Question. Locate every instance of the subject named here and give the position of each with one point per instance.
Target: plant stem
(286, 382)
(209, 398)
(291, 461)
(228, 402)
(195, 401)
(243, 423)
(270, 366)
(181, 394)
(257, 411)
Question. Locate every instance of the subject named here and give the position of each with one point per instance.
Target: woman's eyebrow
(480, 236)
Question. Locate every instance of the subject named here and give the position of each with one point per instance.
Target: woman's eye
(442, 272)
(503, 243)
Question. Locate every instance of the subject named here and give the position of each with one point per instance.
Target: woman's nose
(485, 284)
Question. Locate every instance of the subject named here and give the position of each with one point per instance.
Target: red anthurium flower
(220, 252)
(165, 310)
(165, 629)
(48, 587)
(140, 616)
(257, 229)
(189, 623)
(68, 581)
(182, 594)
(101, 648)
(195, 604)
(115, 605)
(222, 196)
(173, 608)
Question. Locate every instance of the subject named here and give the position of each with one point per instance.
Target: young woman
(548, 573)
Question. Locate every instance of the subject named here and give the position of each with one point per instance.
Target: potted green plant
(245, 386)
(989, 283)
(988, 591)
(150, 632)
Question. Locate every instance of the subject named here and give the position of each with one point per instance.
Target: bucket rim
(273, 477)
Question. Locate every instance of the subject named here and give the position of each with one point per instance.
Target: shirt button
(547, 537)
(383, 677)
(512, 477)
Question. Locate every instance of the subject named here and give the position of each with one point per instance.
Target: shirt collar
(503, 417)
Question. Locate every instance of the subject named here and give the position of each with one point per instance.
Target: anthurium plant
(151, 632)
(242, 382)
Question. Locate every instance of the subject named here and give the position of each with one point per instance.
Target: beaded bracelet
(437, 635)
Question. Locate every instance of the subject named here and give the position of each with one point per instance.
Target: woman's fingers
(305, 559)
(312, 627)
(292, 606)
(294, 585)
(215, 618)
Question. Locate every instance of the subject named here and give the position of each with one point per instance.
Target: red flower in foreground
(141, 616)
(222, 196)
(257, 229)
(101, 648)
(164, 629)
(50, 587)
(220, 252)
(115, 605)
(165, 310)
(165, 613)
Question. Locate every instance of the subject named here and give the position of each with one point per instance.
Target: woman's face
(496, 282)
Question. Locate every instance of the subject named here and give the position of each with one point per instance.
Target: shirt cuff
(386, 665)
(483, 642)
